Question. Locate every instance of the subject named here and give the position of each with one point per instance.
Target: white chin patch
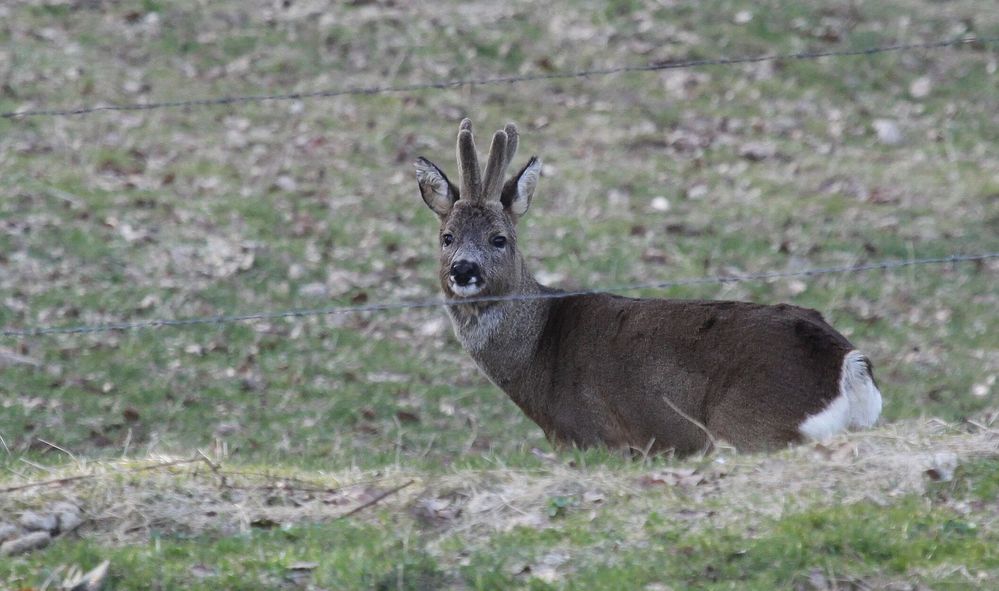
(466, 291)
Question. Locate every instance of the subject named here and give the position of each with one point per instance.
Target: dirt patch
(128, 501)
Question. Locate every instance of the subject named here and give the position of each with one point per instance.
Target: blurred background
(782, 165)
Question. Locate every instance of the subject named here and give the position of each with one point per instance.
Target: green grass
(858, 542)
(181, 213)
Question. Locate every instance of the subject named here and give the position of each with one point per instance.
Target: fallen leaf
(673, 477)
(264, 523)
(406, 416)
(303, 566)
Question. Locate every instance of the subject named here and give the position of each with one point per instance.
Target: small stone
(887, 131)
(660, 204)
(981, 390)
(26, 543)
(921, 87)
(743, 16)
(314, 290)
(697, 191)
(226, 429)
(796, 287)
(757, 151)
(7, 531)
(817, 580)
(286, 183)
(64, 507)
(68, 521)
(32, 521)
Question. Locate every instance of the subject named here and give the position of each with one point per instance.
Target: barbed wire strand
(395, 306)
(440, 85)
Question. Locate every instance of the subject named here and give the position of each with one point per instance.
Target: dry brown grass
(125, 501)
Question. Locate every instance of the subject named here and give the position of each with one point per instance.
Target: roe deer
(646, 374)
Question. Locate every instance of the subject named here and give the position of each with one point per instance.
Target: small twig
(214, 467)
(281, 487)
(128, 443)
(507, 504)
(36, 465)
(470, 440)
(695, 422)
(56, 447)
(980, 426)
(8, 357)
(430, 445)
(315, 486)
(202, 456)
(68, 479)
(375, 500)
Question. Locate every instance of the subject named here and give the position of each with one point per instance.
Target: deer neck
(502, 337)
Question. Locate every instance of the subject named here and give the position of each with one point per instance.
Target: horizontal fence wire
(394, 306)
(440, 85)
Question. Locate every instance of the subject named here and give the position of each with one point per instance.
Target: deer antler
(501, 154)
(495, 167)
(512, 138)
(468, 162)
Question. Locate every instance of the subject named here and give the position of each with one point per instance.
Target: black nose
(465, 272)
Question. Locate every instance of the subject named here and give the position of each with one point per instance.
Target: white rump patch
(858, 405)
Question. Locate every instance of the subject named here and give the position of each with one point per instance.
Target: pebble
(757, 151)
(68, 521)
(921, 87)
(32, 521)
(25, 543)
(7, 531)
(887, 131)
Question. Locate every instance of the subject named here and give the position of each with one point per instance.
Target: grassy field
(175, 213)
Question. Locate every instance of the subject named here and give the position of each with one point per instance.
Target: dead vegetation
(127, 501)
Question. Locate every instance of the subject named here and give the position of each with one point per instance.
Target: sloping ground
(459, 518)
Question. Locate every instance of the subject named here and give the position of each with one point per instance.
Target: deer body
(646, 374)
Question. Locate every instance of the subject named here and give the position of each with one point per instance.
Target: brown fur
(627, 373)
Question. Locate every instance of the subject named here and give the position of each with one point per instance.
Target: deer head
(478, 238)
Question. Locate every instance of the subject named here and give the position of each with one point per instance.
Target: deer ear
(518, 191)
(437, 191)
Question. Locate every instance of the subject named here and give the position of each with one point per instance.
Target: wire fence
(393, 306)
(439, 85)
(390, 306)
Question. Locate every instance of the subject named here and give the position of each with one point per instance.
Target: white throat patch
(474, 332)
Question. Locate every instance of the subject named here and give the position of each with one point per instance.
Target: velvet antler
(468, 162)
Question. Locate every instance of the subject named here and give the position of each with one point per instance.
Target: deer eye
(447, 239)
(498, 241)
